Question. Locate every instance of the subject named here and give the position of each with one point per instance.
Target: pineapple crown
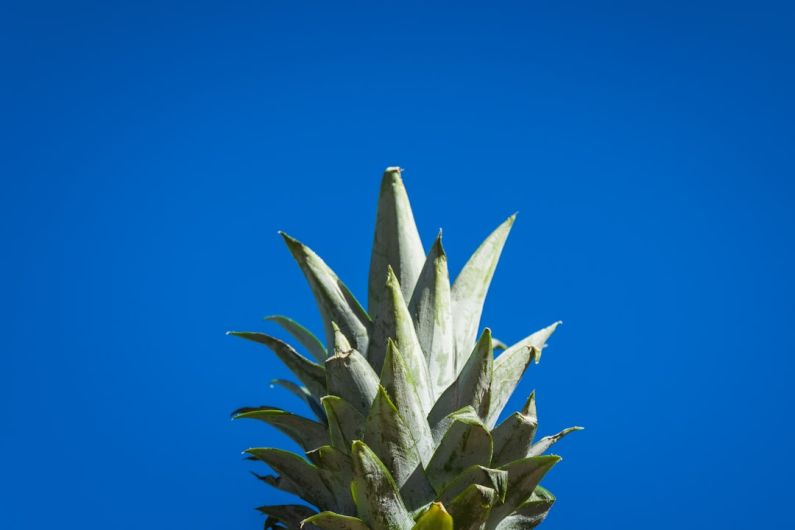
(406, 396)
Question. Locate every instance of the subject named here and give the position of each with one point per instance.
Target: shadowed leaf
(304, 476)
(335, 521)
(396, 378)
(471, 508)
(530, 514)
(377, 499)
(523, 477)
(336, 470)
(471, 387)
(289, 514)
(349, 375)
(305, 337)
(306, 433)
(302, 393)
(495, 479)
(466, 443)
(310, 374)
(392, 321)
(390, 439)
(345, 423)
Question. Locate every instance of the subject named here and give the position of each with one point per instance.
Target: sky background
(151, 150)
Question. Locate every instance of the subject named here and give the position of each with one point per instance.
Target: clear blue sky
(150, 151)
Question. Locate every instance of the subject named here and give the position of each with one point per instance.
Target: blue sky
(151, 150)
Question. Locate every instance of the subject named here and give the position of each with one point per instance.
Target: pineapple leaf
(431, 310)
(470, 288)
(511, 365)
(396, 242)
(335, 521)
(305, 432)
(334, 299)
(393, 321)
(540, 447)
(391, 440)
(278, 482)
(494, 479)
(400, 386)
(530, 514)
(512, 437)
(499, 345)
(289, 514)
(310, 374)
(434, 518)
(349, 375)
(472, 386)
(471, 508)
(377, 498)
(466, 443)
(303, 476)
(302, 393)
(306, 338)
(523, 477)
(335, 470)
(331, 459)
(345, 423)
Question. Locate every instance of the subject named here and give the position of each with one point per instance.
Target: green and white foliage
(406, 396)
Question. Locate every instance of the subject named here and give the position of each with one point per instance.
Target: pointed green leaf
(469, 290)
(334, 299)
(466, 443)
(330, 459)
(523, 477)
(336, 471)
(471, 387)
(540, 502)
(306, 338)
(401, 388)
(305, 432)
(530, 514)
(396, 242)
(349, 375)
(431, 310)
(279, 482)
(494, 479)
(302, 393)
(301, 473)
(511, 365)
(434, 518)
(345, 423)
(310, 374)
(512, 437)
(392, 320)
(289, 514)
(378, 501)
(389, 438)
(540, 447)
(471, 508)
(440, 429)
(335, 521)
